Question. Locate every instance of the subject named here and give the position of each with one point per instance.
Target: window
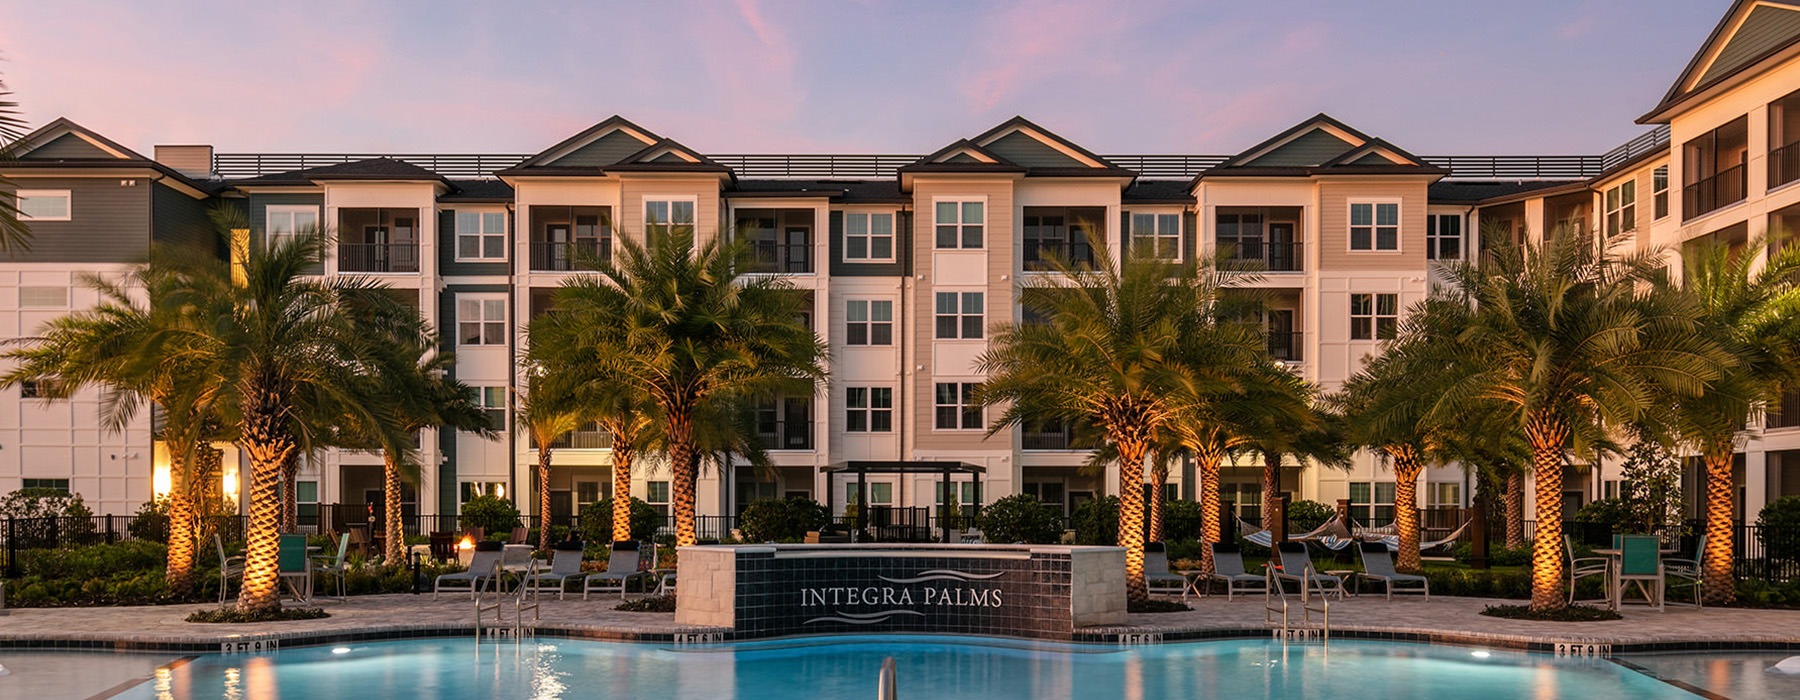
(287, 221)
(40, 389)
(1443, 237)
(668, 214)
(1374, 316)
(1157, 235)
(471, 489)
(43, 297)
(1240, 233)
(1659, 191)
(964, 490)
(480, 321)
(1246, 498)
(881, 493)
(480, 235)
(1621, 208)
(868, 237)
(1443, 494)
(1609, 488)
(51, 484)
(306, 502)
(592, 492)
(44, 205)
(493, 400)
(956, 407)
(1372, 504)
(656, 493)
(959, 315)
(1374, 225)
(869, 322)
(960, 224)
(869, 409)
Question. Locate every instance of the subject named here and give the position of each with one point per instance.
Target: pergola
(862, 470)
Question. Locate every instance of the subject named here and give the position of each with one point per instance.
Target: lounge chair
(621, 565)
(1156, 570)
(443, 546)
(481, 571)
(1640, 565)
(1228, 566)
(295, 567)
(1296, 562)
(565, 566)
(1584, 567)
(335, 566)
(229, 567)
(1378, 565)
(1687, 571)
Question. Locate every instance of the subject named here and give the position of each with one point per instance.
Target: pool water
(940, 668)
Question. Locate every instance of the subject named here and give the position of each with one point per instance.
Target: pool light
(340, 650)
(1480, 653)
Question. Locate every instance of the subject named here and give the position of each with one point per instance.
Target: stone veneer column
(1097, 586)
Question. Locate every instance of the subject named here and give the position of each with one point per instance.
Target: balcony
(780, 240)
(587, 438)
(770, 256)
(1061, 233)
(378, 257)
(1785, 414)
(569, 256)
(1727, 186)
(1052, 437)
(785, 435)
(1784, 165)
(1038, 254)
(1268, 257)
(1284, 345)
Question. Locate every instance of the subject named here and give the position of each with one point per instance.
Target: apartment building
(906, 262)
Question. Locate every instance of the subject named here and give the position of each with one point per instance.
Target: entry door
(796, 249)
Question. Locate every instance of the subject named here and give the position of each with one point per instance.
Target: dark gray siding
(67, 147)
(1031, 153)
(1312, 148)
(1765, 29)
(603, 151)
(447, 264)
(1190, 236)
(108, 223)
(447, 481)
(839, 268)
(259, 215)
(181, 220)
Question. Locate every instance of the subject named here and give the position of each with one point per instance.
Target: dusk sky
(1436, 77)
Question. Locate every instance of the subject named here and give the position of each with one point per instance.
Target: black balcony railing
(1784, 165)
(584, 440)
(567, 256)
(785, 435)
(1724, 187)
(1038, 254)
(768, 256)
(1052, 437)
(378, 257)
(1268, 257)
(1285, 346)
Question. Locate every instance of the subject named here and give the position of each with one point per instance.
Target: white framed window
(869, 409)
(1444, 237)
(591, 492)
(480, 235)
(480, 320)
(470, 489)
(44, 205)
(1659, 191)
(668, 213)
(960, 223)
(1375, 226)
(1374, 316)
(493, 400)
(868, 236)
(1372, 503)
(51, 484)
(284, 221)
(43, 297)
(1157, 234)
(656, 493)
(869, 322)
(956, 408)
(961, 315)
(1621, 208)
(881, 493)
(1443, 494)
(40, 389)
(1609, 488)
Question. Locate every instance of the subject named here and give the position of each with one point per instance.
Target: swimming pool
(929, 667)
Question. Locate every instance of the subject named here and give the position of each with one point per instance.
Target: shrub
(151, 521)
(1096, 522)
(1497, 556)
(93, 562)
(783, 520)
(1181, 520)
(1487, 583)
(1303, 516)
(493, 514)
(596, 522)
(1019, 518)
(73, 524)
(1611, 512)
(1779, 528)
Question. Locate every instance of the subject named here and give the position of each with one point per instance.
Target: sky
(1435, 77)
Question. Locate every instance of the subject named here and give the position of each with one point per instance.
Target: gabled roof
(600, 145)
(64, 144)
(1751, 32)
(1321, 145)
(667, 154)
(368, 169)
(1018, 146)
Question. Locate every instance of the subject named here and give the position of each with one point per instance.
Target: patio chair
(229, 567)
(1686, 572)
(518, 536)
(621, 565)
(1296, 561)
(1378, 565)
(1156, 570)
(1228, 566)
(335, 566)
(565, 566)
(359, 538)
(443, 546)
(295, 567)
(1640, 565)
(481, 571)
(1584, 567)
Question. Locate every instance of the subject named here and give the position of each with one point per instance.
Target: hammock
(1393, 541)
(1332, 528)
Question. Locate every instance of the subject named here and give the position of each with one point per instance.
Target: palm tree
(1112, 352)
(14, 234)
(1753, 314)
(685, 328)
(1290, 424)
(545, 420)
(1565, 338)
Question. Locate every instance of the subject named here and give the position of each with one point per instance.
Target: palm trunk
(1514, 502)
(1132, 448)
(543, 509)
(1549, 438)
(1206, 466)
(270, 448)
(290, 481)
(1271, 484)
(179, 572)
(621, 476)
(391, 495)
(1159, 497)
(1406, 512)
(1716, 581)
(683, 462)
